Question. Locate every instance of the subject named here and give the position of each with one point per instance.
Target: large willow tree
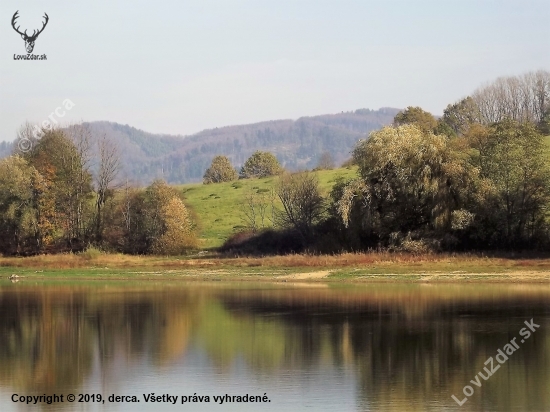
(410, 180)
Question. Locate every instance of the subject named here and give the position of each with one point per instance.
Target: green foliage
(513, 161)
(260, 164)
(544, 124)
(18, 216)
(221, 170)
(154, 220)
(52, 207)
(478, 177)
(417, 190)
(416, 115)
(458, 117)
(444, 129)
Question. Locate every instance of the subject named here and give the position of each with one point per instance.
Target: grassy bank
(368, 267)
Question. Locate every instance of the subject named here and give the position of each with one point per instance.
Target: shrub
(303, 205)
(260, 164)
(91, 253)
(220, 170)
(177, 235)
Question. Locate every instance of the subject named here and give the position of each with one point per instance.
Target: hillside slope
(298, 144)
(219, 206)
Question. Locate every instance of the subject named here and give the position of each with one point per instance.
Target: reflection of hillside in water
(407, 345)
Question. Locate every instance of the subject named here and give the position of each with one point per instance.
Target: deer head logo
(29, 40)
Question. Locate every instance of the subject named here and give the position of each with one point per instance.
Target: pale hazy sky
(182, 66)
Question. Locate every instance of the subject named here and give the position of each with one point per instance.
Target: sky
(179, 67)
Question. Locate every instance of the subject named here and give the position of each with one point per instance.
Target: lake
(291, 347)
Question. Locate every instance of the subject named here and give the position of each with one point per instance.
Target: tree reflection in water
(409, 346)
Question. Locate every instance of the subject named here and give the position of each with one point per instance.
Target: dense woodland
(476, 178)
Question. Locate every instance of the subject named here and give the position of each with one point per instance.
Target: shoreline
(345, 268)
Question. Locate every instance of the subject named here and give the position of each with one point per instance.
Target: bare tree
(255, 208)
(326, 161)
(127, 206)
(522, 98)
(303, 205)
(541, 88)
(81, 136)
(25, 139)
(109, 167)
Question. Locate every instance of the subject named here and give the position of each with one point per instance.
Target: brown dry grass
(112, 261)
(386, 261)
(382, 261)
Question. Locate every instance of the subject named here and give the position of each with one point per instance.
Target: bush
(413, 243)
(220, 170)
(177, 236)
(260, 164)
(91, 253)
(155, 220)
(303, 205)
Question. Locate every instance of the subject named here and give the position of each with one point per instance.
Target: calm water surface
(387, 347)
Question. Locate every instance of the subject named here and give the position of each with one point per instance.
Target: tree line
(64, 194)
(476, 178)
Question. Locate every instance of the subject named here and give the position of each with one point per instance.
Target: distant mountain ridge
(298, 144)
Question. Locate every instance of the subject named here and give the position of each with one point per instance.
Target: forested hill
(297, 144)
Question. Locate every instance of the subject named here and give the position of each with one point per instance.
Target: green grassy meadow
(219, 206)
